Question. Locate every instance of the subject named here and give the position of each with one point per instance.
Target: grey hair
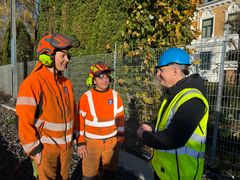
(183, 68)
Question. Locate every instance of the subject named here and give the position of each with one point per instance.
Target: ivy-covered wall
(96, 23)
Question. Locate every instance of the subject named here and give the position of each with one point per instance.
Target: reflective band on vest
(54, 126)
(95, 136)
(59, 141)
(115, 101)
(99, 124)
(185, 150)
(198, 138)
(91, 105)
(95, 122)
(93, 112)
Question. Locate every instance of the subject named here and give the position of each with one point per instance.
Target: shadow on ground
(10, 167)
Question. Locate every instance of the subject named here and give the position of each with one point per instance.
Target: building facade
(219, 25)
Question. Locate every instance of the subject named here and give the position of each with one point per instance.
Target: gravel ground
(15, 165)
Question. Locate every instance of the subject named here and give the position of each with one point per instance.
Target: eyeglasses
(103, 76)
(155, 71)
(66, 53)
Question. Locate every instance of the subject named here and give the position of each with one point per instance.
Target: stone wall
(7, 82)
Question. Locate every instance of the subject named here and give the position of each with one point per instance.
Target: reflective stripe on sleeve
(54, 126)
(119, 110)
(26, 101)
(95, 136)
(28, 147)
(52, 140)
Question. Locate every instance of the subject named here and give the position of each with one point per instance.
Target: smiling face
(62, 58)
(102, 82)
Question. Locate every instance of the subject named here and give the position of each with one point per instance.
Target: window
(205, 60)
(207, 28)
(233, 20)
(233, 55)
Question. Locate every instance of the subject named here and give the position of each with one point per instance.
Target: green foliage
(107, 26)
(154, 24)
(4, 18)
(81, 21)
(96, 23)
(140, 85)
(159, 23)
(6, 48)
(24, 43)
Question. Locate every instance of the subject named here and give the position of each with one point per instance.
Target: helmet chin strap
(57, 74)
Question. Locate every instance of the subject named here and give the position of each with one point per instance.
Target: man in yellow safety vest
(179, 137)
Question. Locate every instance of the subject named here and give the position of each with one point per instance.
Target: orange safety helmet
(51, 43)
(96, 70)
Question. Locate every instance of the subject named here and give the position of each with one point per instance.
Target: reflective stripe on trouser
(54, 165)
(107, 149)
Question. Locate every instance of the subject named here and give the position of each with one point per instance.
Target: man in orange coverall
(100, 124)
(46, 109)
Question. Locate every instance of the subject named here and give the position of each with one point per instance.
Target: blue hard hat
(174, 55)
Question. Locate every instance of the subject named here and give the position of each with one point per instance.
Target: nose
(158, 72)
(67, 59)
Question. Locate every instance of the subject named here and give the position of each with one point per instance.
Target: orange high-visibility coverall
(45, 108)
(101, 125)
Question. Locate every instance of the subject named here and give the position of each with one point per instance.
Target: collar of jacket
(47, 74)
(192, 81)
(100, 91)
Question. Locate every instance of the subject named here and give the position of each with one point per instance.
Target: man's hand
(142, 128)
(82, 151)
(37, 158)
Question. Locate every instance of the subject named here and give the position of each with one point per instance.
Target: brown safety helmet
(51, 43)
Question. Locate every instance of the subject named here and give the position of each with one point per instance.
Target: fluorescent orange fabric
(98, 116)
(100, 122)
(54, 126)
(50, 165)
(107, 149)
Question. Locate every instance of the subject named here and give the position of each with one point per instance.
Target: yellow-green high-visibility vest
(185, 162)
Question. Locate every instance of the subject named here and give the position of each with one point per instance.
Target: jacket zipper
(64, 114)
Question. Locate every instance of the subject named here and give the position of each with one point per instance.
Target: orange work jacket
(45, 109)
(101, 115)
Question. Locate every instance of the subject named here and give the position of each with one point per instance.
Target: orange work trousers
(54, 165)
(106, 150)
